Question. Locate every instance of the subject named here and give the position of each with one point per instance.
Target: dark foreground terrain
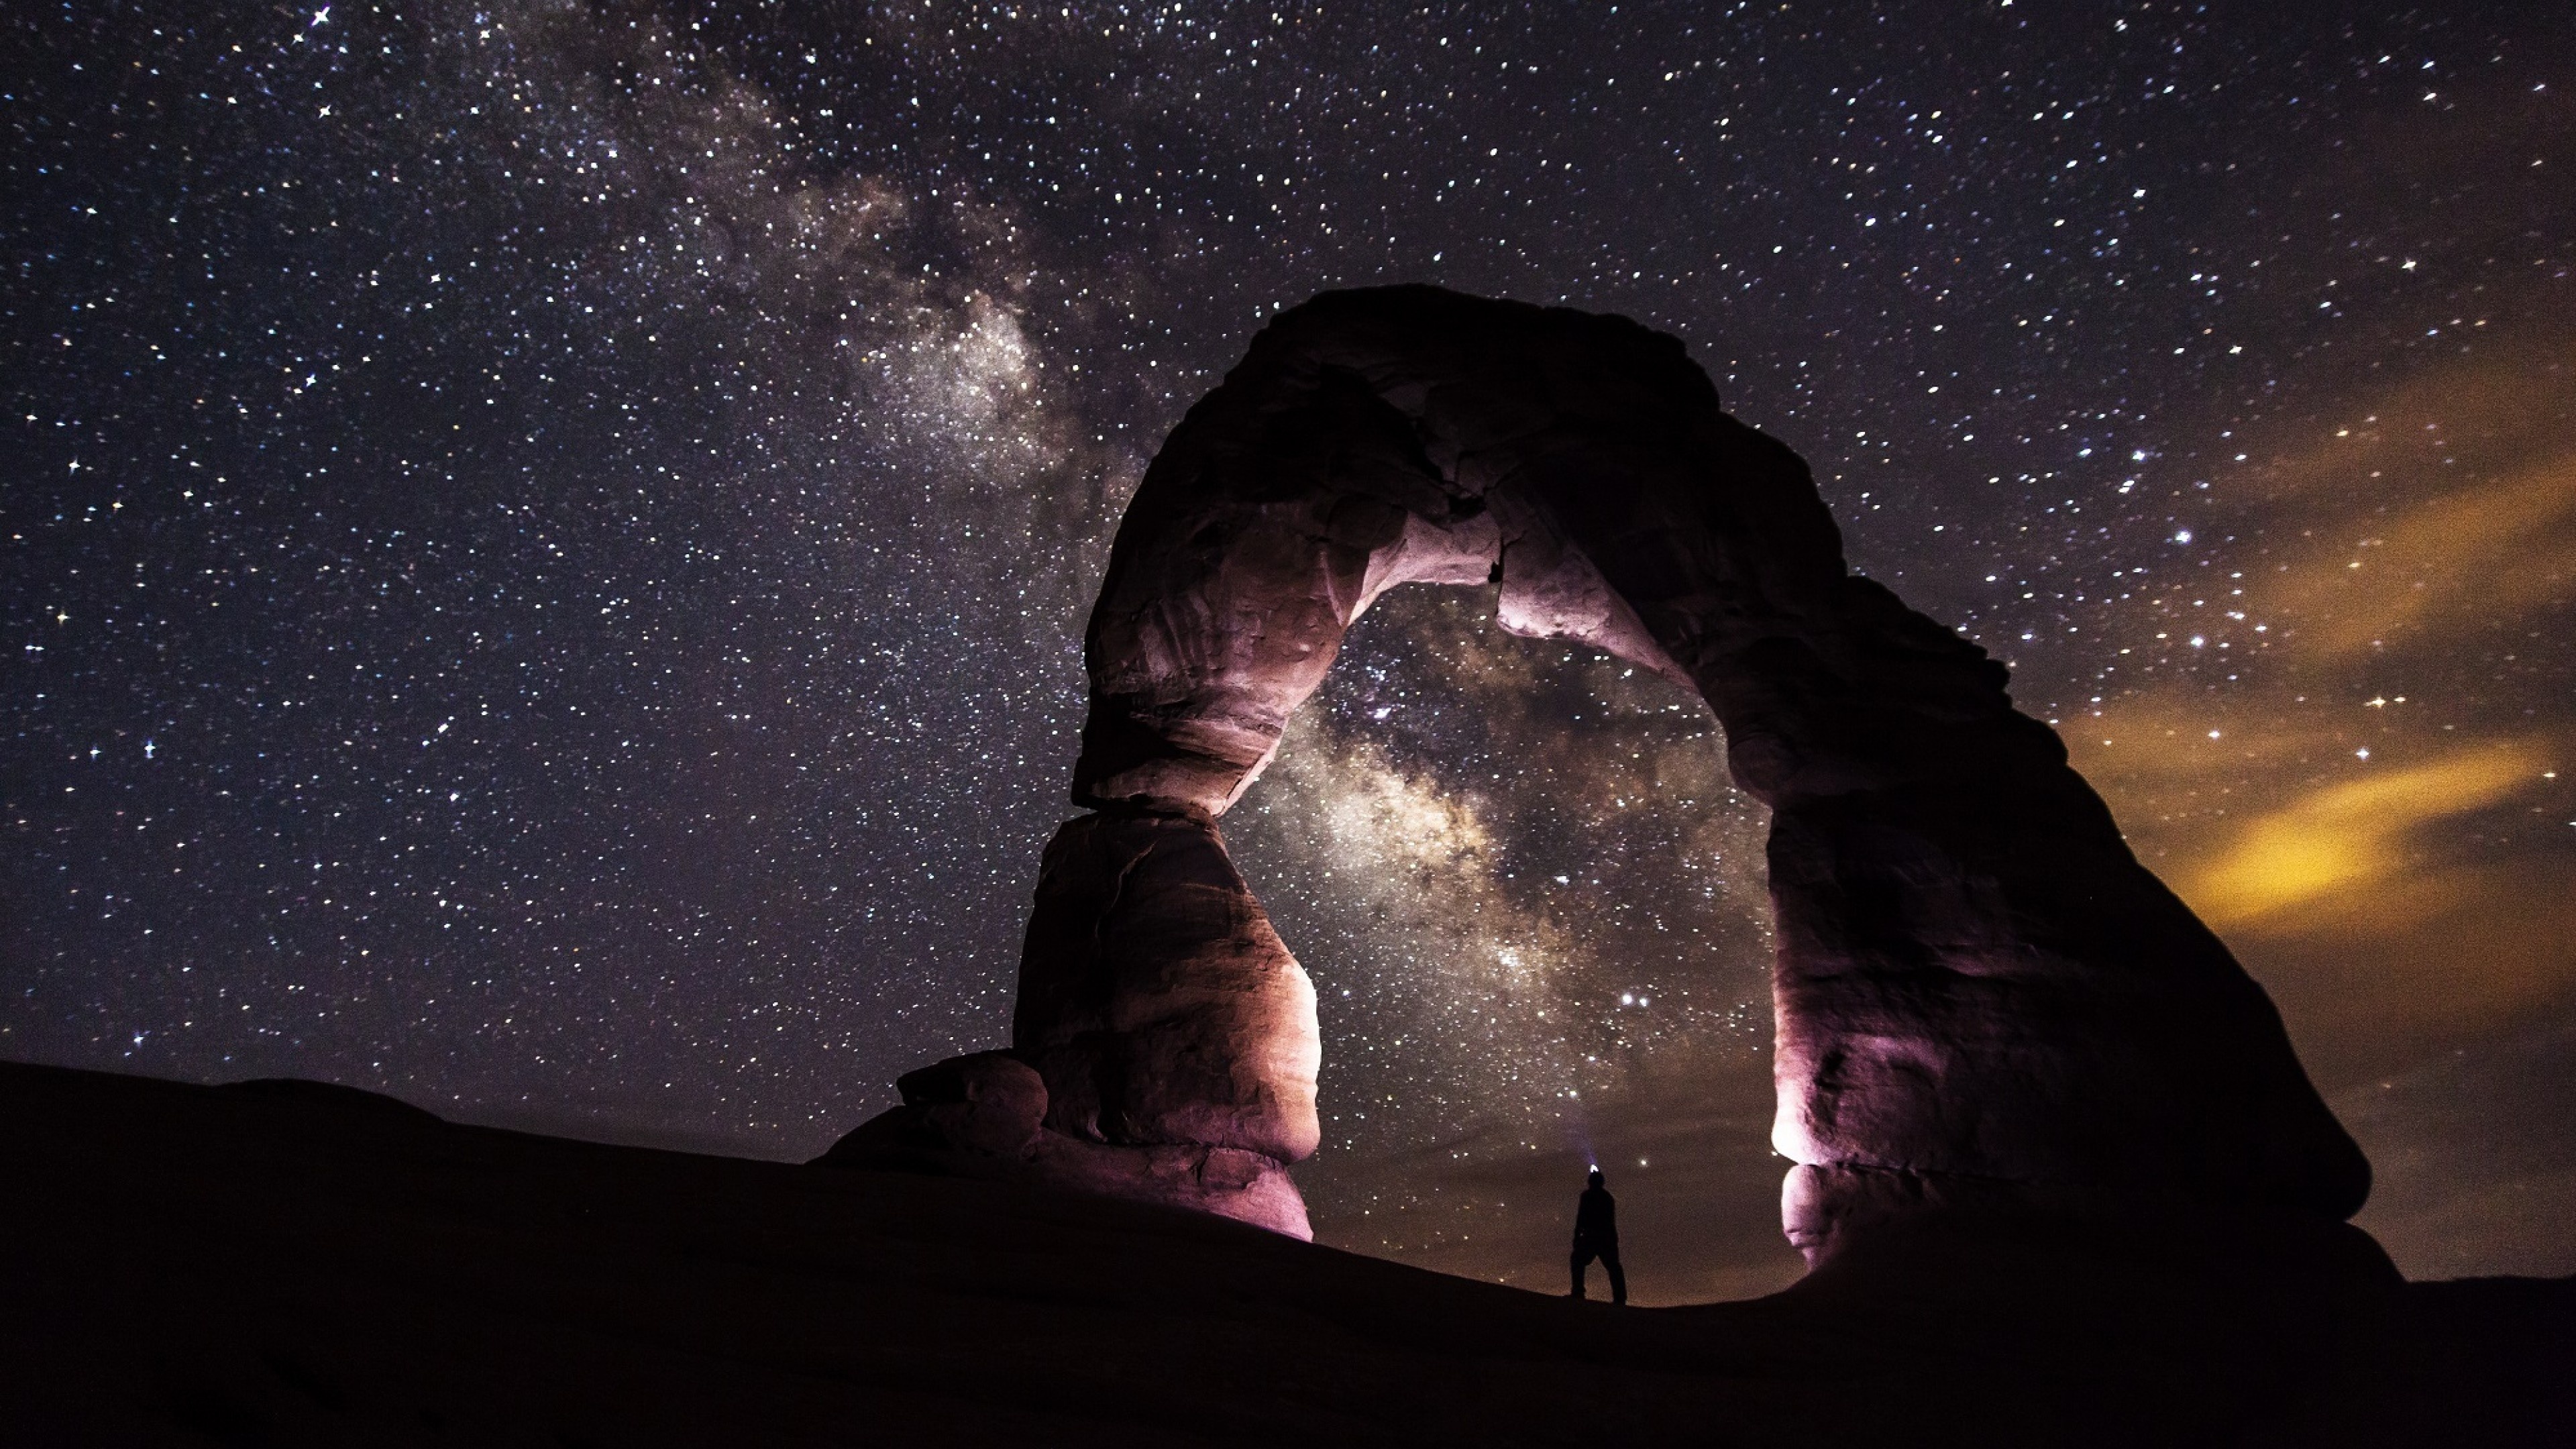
(296, 1264)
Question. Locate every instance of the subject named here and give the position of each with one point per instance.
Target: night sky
(546, 544)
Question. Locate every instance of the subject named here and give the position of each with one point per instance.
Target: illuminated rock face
(1979, 989)
(1157, 1001)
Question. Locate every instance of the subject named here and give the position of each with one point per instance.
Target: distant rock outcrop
(1982, 996)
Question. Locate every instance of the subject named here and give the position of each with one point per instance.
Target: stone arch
(1981, 995)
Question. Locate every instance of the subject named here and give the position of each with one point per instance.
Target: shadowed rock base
(1835, 1213)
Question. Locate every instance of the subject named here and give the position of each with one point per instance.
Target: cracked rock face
(1976, 980)
(1156, 999)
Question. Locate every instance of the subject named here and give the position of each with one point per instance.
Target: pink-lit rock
(1157, 1001)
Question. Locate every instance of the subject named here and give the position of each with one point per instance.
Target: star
(707, 432)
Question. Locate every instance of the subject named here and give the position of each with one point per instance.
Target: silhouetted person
(1596, 1235)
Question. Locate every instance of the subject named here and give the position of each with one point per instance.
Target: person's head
(1593, 1177)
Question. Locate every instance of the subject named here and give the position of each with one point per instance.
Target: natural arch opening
(1980, 996)
(1531, 902)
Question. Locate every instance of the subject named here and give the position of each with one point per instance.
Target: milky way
(547, 544)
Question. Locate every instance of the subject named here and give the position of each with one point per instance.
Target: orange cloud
(2336, 842)
(2468, 556)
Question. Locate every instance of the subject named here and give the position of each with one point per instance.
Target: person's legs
(1618, 1278)
(1582, 1256)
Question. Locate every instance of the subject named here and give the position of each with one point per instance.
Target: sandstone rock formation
(1981, 994)
(1157, 1001)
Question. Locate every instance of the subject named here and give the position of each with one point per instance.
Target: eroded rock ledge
(1982, 996)
(981, 1116)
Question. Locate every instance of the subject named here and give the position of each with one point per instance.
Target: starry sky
(546, 544)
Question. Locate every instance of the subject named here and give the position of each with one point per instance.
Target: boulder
(975, 1115)
(982, 1115)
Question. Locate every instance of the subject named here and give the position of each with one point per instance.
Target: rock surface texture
(1982, 997)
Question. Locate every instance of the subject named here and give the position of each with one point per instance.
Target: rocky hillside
(295, 1264)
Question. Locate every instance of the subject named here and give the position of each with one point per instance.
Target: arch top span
(1411, 435)
(1981, 995)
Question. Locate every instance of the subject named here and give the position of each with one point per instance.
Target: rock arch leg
(1156, 1001)
(1982, 996)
